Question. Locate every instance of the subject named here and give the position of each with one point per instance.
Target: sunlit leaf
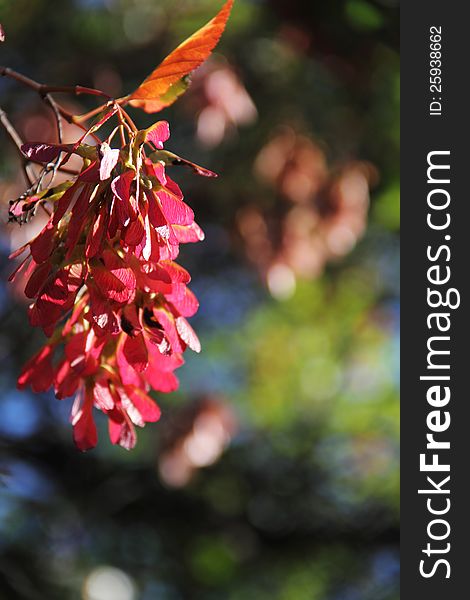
(167, 81)
(174, 92)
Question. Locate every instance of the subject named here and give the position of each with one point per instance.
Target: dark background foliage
(273, 471)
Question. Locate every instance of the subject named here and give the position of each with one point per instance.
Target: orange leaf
(187, 57)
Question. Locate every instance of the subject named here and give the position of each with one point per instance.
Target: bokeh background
(273, 473)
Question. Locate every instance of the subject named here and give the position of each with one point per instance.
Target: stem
(58, 117)
(112, 134)
(43, 89)
(123, 137)
(127, 117)
(123, 101)
(88, 115)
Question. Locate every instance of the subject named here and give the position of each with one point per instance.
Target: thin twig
(121, 132)
(127, 118)
(58, 118)
(88, 115)
(55, 109)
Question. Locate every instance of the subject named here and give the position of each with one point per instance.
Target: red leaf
(38, 371)
(20, 268)
(152, 276)
(186, 304)
(135, 351)
(134, 232)
(163, 381)
(18, 252)
(68, 198)
(121, 185)
(83, 352)
(114, 425)
(119, 269)
(191, 233)
(37, 279)
(156, 216)
(96, 234)
(91, 174)
(159, 171)
(176, 211)
(109, 285)
(66, 381)
(187, 334)
(177, 273)
(115, 280)
(101, 315)
(149, 411)
(127, 373)
(167, 321)
(130, 322)
(45, 153)
(187, 57)
(57, 296)
(84, 428)
(41, 246)
(122, 433)
(76, 314)
(109, 158)
(102, 396)
(158, 134)
(77, 220)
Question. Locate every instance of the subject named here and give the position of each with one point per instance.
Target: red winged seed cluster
(101, 274)
(105, 287)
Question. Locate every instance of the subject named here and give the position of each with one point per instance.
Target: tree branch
(42, 89)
